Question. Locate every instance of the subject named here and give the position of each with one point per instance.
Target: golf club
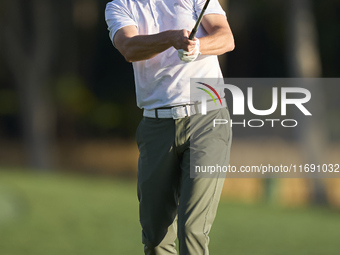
(198, 22)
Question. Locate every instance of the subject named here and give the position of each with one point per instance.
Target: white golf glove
(183, 55)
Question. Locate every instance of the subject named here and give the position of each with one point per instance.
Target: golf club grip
(198, 22)
(192, 34)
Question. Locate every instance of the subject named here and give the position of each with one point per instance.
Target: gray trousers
(171, 203)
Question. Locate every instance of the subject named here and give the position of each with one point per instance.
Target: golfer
(174, 135)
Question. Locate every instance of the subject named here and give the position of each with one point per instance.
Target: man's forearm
(217, 43)
(136, 47)
(142, 47)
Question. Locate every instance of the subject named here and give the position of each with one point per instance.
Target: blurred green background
(68, 115)
(67, 214)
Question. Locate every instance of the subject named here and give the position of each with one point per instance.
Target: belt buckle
(178, 112)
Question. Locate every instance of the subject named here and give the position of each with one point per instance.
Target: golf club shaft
(198, 22)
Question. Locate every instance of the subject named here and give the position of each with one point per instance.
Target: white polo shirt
(164, 80)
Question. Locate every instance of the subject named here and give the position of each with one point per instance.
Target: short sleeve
(117, 16)
(214, 7)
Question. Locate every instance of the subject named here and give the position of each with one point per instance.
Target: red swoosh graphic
(213, 90)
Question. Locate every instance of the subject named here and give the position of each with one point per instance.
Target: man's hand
(192, 55)
(180, 40)
(188, 50)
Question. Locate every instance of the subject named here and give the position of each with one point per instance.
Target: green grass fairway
(44, 214)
